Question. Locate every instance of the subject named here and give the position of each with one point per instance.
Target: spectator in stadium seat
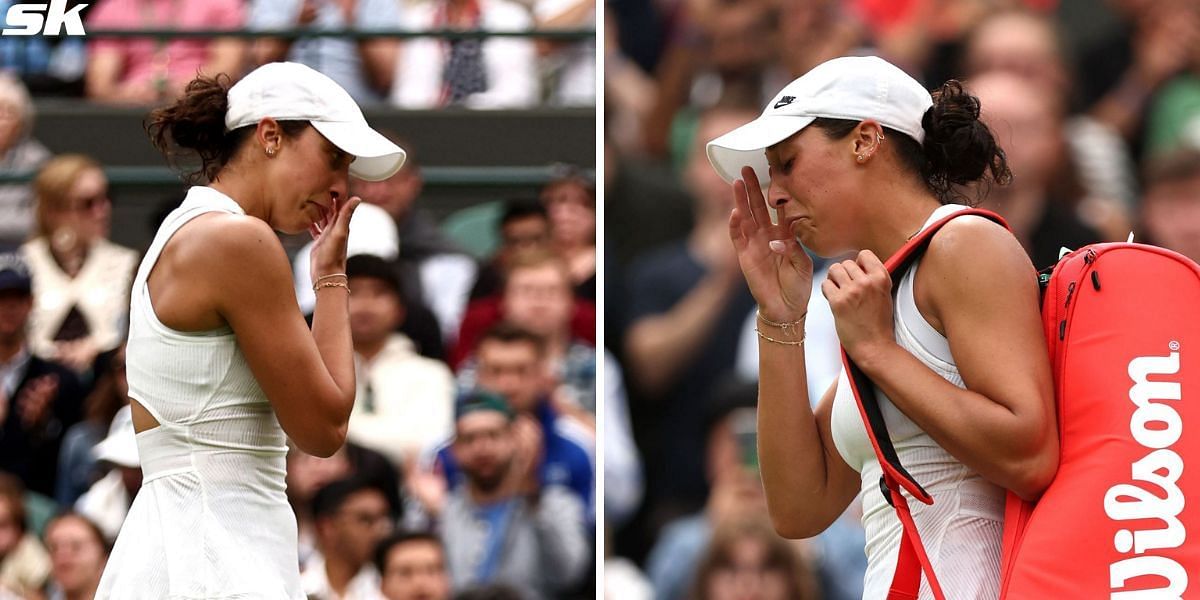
(433, 268)
(364, 67)
(306, 474)
(108, 500)
(512, 362)
(146, 70)
(405, 401)
(1029, 127)
(81, 279)
(76, 461)
(572, 64)
(351, 517)
(78, 553)
(686, 303)
(24, 563)
(487, 73)
(735, 491)
(524, 226)
(1170, 210)
(747, 559)
(412, 565)
(538, 297)
(1097, 159)
(39, 399)
(374, 233)
(19, 152)
(503, 524)
(570, 201)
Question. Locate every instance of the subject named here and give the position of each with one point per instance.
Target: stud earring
(270, 152)
(861, 158)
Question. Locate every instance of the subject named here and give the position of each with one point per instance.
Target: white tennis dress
(211, 520)
(962, 529)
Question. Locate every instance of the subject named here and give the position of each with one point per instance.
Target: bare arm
(379, 56)
(232, 269)
(268, 49)
(265, 50)
(225, 55)
(659, 346)
(807, 483)
(980, 288)
(308, 376)
(576, 15)
(103, 75)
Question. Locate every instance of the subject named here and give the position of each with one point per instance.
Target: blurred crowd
(469, 466)
(1097, 105)
(409, 72)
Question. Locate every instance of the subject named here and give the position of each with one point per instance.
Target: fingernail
(777, 246)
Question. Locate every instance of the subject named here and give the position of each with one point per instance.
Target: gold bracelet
(786, 327)
(330, 276)
(784, 342)
(341, 284)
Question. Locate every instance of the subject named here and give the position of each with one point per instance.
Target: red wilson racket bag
(1121, 519)
(1119, 319)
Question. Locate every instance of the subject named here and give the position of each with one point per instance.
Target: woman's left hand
(860, 294)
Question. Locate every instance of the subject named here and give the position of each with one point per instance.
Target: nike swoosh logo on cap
(784, 101)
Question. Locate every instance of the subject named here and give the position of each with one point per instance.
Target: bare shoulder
(230, 243)
(977, 251)
(974, 268)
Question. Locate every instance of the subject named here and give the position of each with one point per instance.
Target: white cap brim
(746, 145)
(375, 157)
(120, 447)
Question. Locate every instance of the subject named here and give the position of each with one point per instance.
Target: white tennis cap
(288, 91)
(852, 87)
(120, 447)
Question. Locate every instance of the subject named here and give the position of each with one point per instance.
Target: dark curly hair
(195, 123)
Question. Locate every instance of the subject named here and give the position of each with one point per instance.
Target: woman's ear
(866, 140)
(269, 136)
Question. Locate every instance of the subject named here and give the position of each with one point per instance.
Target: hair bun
(959, 148)
(195, 122)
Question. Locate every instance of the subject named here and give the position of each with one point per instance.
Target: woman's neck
(71, 259)
(246, 192)
(369, 349)
(895, 219)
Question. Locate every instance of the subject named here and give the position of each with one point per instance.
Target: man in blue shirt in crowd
(512, 362)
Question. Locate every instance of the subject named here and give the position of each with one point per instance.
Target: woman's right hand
(777, 270)
(331, 235)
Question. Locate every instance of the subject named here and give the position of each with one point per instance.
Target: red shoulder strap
(913, 559)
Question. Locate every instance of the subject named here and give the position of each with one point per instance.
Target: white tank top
(962, 529)
(212, 518)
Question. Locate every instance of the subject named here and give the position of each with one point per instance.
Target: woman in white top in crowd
(220, 363)
(958, 354)
(80, 279)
